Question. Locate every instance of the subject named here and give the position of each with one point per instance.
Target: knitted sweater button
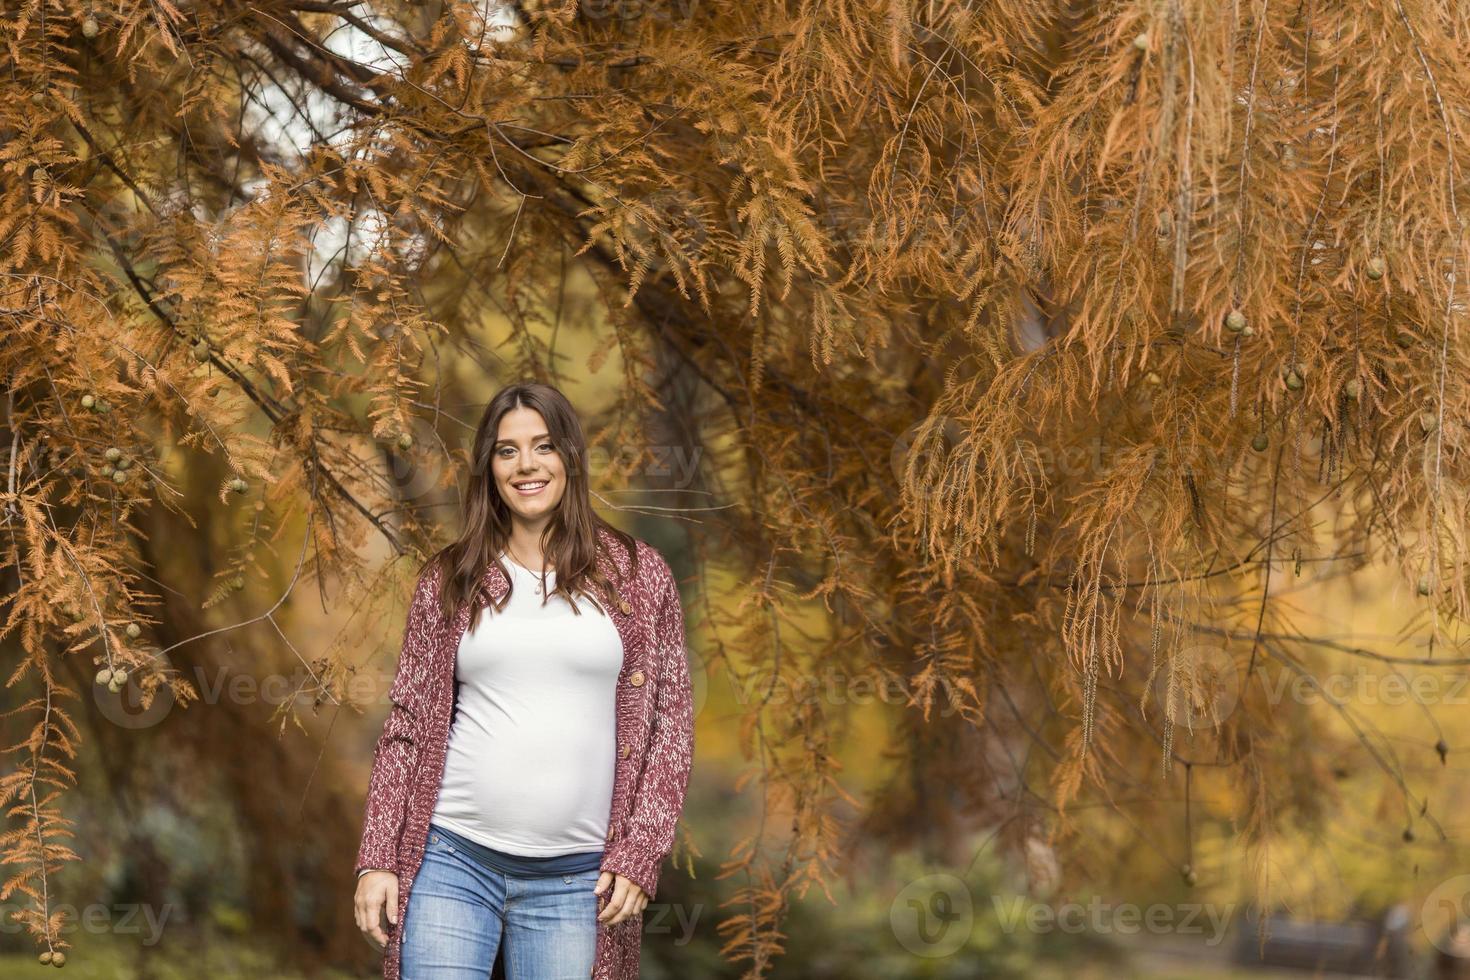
(623, 607)
(636, 678)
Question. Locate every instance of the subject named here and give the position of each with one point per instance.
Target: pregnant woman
(539, 738)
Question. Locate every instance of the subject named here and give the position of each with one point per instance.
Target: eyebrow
(544, 435)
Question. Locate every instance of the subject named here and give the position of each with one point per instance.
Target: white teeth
(528, 486)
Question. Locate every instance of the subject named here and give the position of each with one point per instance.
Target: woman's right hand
(377, 892)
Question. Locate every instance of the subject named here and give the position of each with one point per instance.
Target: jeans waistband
(520, 865)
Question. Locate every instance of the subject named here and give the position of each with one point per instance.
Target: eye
(504, 451)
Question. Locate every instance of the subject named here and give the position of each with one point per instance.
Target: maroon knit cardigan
(655, 741)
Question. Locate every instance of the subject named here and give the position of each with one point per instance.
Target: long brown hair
(570, 538)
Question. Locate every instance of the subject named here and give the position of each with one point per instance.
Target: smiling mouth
(530, 486)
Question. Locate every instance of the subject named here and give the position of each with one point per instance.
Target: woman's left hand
(625, 898)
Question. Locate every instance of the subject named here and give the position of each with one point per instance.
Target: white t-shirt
(531, 753)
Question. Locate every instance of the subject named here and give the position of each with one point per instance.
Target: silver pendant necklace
(540, 579)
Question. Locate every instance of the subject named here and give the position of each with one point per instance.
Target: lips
(530, 488)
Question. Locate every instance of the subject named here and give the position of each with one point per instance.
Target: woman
(537, 748)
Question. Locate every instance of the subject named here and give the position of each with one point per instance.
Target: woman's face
(523, 456)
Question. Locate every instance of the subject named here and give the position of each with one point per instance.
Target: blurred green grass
(112, 957)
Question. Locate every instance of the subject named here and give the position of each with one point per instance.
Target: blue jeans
(459, 908)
